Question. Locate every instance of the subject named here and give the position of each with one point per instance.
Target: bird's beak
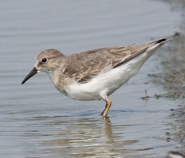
(32, 73)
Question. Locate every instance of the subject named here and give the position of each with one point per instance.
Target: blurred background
(37, 121)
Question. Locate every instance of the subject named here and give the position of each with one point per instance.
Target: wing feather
(86, 65)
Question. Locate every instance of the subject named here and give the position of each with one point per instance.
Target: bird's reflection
(81, 137)
(108, 130)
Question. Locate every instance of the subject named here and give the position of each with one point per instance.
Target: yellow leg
(107, 106)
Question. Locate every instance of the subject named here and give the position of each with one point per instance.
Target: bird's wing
(86, 65)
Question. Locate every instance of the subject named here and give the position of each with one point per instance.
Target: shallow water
(37, 121)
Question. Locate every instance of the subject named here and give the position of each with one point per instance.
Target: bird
(94, 74)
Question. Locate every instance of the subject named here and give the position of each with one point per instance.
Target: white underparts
(107, 82)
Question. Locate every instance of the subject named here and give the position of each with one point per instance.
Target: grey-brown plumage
(84, 66)
(93, 74)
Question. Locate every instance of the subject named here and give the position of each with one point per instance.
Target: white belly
(108, 82)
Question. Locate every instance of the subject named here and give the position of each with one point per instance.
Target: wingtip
(163, 40)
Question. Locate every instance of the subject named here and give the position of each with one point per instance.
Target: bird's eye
(44, 60)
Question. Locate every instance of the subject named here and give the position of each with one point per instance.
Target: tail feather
(140, 49)
(161, 41)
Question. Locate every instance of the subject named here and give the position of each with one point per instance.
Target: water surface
(37, 121)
